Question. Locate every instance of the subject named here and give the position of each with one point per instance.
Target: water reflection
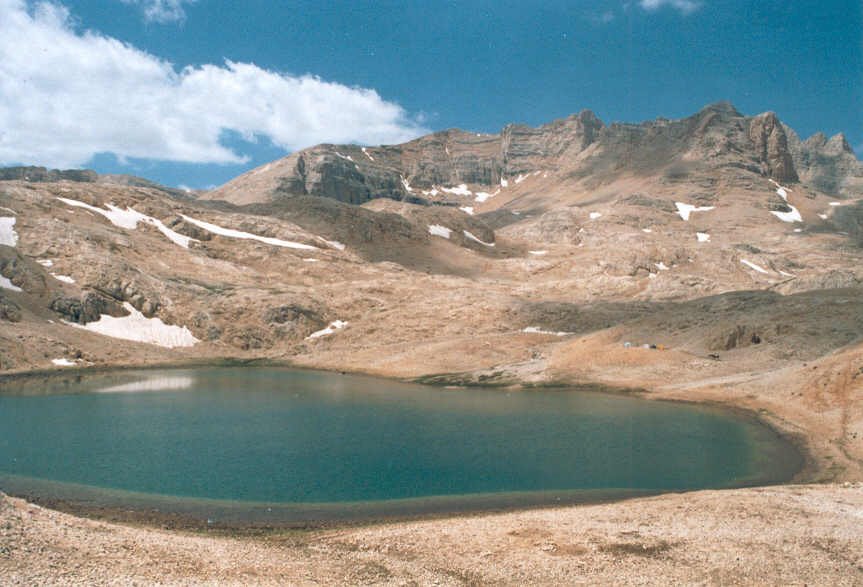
(155, 383)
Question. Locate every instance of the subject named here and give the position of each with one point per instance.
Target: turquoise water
(279, 436)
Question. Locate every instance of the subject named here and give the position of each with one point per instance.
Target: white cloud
(66, 95)
(684, 6)
(161, 11)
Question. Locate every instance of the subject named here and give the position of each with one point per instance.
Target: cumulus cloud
(161, 11)
(67, 95)
(684, 6)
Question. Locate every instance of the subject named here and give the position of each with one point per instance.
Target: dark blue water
(283, 436)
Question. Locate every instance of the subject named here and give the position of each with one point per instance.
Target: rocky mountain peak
(829, 165)
(816, 141)
(837, 145)
(722, 107)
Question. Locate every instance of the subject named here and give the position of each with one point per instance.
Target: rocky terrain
(724, 243)
(795, 535)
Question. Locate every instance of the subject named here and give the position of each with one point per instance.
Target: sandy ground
(792, 535)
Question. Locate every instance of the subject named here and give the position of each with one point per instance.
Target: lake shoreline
(485, 505)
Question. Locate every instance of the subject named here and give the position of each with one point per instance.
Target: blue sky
(194, 93)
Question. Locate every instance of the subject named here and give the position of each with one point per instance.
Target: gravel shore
(790, 535)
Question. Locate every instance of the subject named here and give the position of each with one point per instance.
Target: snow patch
(646, 230)
(337, 325)
(686, 209)
(786, 274)
(520, 178)
(835, 203)
(366, 153)
(781, 190)
(407, 185)
(63, 362)
(538, 253)
(137, 327)
(45, 262)
(459, 190)
(310, 260)
(129, 219)
(438, 230)
(63, 278)
(537, 330)
(6, 284)
(792, 216)
(473, 237)
(661, 266)
(702, 237)
(822, 216)
(595, 215)
(8, 236)
(483, 196)
(345, 157)
(467, 210)
(231, 233)
(504, 183)
(752, 265)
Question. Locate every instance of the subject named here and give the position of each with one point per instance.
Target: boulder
(9, 310)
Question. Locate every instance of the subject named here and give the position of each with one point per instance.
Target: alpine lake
(262, 446)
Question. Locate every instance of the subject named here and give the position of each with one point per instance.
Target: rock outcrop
(9, 310)
(771, 144)
(87, 309)
(578, 147)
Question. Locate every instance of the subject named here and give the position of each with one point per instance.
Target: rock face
(449, 158)
(771, 143)
(577, 147)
